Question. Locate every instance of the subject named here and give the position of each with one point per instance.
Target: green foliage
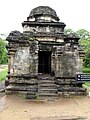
(84, 42)
(3, 74)
(83, 34)
(22, 95)
(86, 59)
(37, 97)
(84, 39)
(3, 52)
(86, 70)
(68, 31)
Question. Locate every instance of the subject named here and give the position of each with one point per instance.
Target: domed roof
(43, 10)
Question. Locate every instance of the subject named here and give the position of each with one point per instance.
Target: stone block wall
(70, 64)
(21, 61)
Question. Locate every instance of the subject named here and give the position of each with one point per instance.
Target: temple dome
(43, 11)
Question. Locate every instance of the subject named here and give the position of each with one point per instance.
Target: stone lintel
(31, 23)
(49, 43)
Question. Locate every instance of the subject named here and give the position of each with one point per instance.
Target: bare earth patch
(59, 118)
(16, 108)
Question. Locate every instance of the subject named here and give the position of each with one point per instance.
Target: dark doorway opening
(44, 63)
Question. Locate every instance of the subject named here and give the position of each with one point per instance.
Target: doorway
(44, 62)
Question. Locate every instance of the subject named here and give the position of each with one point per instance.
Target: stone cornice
(31, 23)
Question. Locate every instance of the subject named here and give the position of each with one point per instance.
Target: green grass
(87, 83)
(3, 74)
(86, 70)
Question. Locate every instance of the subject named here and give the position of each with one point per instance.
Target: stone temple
(43, 61)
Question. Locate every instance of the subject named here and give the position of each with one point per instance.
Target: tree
(84, 42)
(3, 52)
(83, 34)
(84, 39)
(87, 59)
(68, 31)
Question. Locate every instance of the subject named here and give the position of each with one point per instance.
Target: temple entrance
(44, 63)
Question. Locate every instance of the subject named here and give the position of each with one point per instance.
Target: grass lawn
(87, 83)
(3, 74)
(87, 70)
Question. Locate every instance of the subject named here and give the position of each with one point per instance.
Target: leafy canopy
(84, 42)
(3, 51)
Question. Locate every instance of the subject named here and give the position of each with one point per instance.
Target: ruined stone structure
(43, 61)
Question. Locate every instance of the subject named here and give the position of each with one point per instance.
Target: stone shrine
(43, 61)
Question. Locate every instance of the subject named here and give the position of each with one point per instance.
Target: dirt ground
(13, 107)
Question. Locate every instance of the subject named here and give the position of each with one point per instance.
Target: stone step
(23, 94)
(47, 94)
(71, 93)
(45, 78)
(46, 81)
(42, 97)
(21, 88)
(47, 85)
(31, 96)
(30, 82)
(46, 90)
(71, 89)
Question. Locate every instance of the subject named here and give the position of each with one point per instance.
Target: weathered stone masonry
(43, 60)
